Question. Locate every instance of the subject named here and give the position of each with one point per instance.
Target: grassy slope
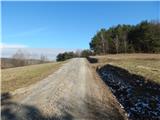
(14, 78)
(147, 65)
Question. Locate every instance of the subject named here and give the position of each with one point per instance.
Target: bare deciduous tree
(105, 46)
(19, 58)
(116, 41)
(78, 53)
(125, 42)
(43, 58)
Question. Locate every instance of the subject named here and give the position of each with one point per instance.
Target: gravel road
(71, 93)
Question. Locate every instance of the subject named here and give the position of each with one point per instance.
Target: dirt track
(72, 93)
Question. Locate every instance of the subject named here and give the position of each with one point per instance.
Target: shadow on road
(26, 112)
(5, 97)
(93, 110)
(103, 110)
(13, 111)
(139, 97)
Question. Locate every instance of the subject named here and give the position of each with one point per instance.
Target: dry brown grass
(14, 78)
(138, 56)
(146, 65)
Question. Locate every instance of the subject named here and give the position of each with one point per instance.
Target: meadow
(18, 77)
(146, 65)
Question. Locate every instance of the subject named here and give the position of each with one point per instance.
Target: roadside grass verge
(146, 65)
(19, 77)
(149, 69)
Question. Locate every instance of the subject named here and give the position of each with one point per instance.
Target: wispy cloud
(28, 32)
(4, 45)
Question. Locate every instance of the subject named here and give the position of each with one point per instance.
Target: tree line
(69, 55)
(22, 58)
(141, 38)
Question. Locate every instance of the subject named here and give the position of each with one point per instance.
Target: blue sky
(67, 25)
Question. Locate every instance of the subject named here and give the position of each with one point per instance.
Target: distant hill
(10, 62)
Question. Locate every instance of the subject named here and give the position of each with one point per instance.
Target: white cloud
(4, 45)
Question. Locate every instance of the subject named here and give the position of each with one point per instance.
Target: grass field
(146, 65)
(14, 78)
